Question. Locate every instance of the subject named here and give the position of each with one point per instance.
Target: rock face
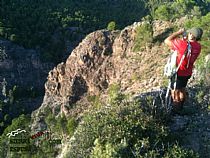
(103, 58)
(22, 67)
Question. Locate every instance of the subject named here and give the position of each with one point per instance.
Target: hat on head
(196, 32)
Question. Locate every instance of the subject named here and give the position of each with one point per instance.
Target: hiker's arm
(169, 39)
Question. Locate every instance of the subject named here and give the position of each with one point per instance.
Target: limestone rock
(103, 58)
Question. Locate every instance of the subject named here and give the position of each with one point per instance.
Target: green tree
(111, 26)
(163, 12)
(144, 37)
(196, 11)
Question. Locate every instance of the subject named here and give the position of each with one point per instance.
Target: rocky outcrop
(102, 58)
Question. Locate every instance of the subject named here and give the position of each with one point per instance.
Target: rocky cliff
(104, 58)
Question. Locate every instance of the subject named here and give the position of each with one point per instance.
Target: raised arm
(169, 39)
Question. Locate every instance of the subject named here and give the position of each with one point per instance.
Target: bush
(107, 150)
(144, 37)
(114, 94)
(95, 101)
(71, 126)
(163, 13)
(111, 26)
(21, 122)
(175, 151)
(122, 130)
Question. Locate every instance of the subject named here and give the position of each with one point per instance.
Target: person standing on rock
(188, 49)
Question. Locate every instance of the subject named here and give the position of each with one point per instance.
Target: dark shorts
(181, 82)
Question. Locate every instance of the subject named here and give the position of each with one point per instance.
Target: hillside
(105, 98)
(104, 70)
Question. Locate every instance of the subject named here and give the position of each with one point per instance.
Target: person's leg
(179, 94)
(178, 100)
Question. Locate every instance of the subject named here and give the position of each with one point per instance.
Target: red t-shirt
(180, 46)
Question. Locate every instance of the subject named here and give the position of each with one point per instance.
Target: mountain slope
(104, 59)
(101, 59)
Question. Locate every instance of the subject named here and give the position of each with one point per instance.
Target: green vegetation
(120, 128)
(60, 124)
(111, 26)
(21, 122)
(95, 101)
(163, 12)
(124, 130)
(177, 9)
(46, 25)
(11, 106)
(144, 36)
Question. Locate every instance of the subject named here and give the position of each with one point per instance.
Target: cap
(196, 32)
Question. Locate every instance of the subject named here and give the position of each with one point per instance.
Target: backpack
(171, 67)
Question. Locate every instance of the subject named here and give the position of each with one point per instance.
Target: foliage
(21, 122)
(121, 130)
(163, 12)
(71, 126)
(169, 10)
(176, 151)
(95, 101)
(60, 124)
(111, 25)
(11, 105)
(114, 94)
(106, 151)
(43, 24)
(144, 36)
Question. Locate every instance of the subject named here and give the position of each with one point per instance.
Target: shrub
(122, 130)
(163, 13)
(175, 151)
(95, 100)
(107, 150)
(21, 122)
(144, 37)
(111, 26)
(114, 94)
(71, 126)
(199, 96)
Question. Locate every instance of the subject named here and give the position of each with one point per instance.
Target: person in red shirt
(184, 73)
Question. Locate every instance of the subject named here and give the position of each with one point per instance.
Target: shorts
(181, 82)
